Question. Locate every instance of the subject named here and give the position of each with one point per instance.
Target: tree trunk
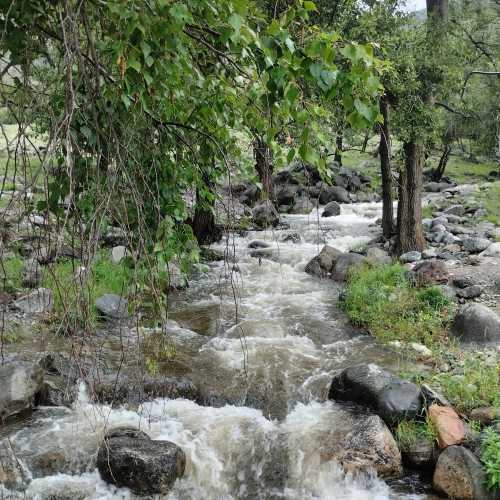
(264, 166)
(204, 228)
(443, 161)
(410, 232)
(385, 169)
(437, 9)
(338, 149)
(365, 142)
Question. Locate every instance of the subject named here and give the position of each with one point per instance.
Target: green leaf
(291, 155)
(310, 6)
(235, 20)
(134, 64)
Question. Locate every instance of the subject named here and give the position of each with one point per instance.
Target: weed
(491, 457)
(408, 432)
(10, 273)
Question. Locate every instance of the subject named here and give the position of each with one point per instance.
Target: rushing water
(262, 341)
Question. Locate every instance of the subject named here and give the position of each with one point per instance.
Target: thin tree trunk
(204, 228)
(410, 232)
(365, 142)
(338, 148)
(443, 161)
(264, 166)
(385, 169)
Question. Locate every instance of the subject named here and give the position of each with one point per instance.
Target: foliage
(382, 300)
(409, 432)
(10, 273)
(491, 457)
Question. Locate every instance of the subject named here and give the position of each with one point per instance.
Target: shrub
(491, 457)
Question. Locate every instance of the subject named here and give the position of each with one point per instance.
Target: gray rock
(19, 382)
(429, 253)
(463, 282)
(476, 323)
(302, 205)
(407, 257)
(112, 306)
(292, 238)
(438, 228)
(475, 245)
(286, 194)
(265, 215)
(322, 265)
(259, 244)
(345, 264)
(370, 446)
(333, 193)
(442, 220)
(470, 292)
(37, 302)
(436, 187)
(459, 475)
(331, 209)
(420, 454)
(429, 272)
(431, 396)
(455, 210)
(118, 253)
(376, 256)
(129, 458)
(12, 474)
(391, 397)
(32, 273)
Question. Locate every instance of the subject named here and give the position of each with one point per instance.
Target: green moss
(383, 301)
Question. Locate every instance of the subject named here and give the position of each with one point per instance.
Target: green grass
(384, 302)
(409, 432)
(491, 203)
(463, 171)
(71, 299)
(491, 458)
(10, 273)
(427, 212)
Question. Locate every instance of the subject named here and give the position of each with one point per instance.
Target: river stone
(323, 263)
(436, 187)
(377, 256)
(118, 253)
(459, 475)
(476, 323)
(285, 194)
(391, 397)
(492, 251)
(258, 244)
(475, 245)
(37, 302)
(12, 475)
(407, 257)
(449, 428)
(112, 306)
(130, 458)
(463, 281)
(431, 272)
(420, 454)
(431, 396)
(19, 384)
(455, 210)
(333, 193)
(32, 273)
(346, 263)
(370, 446)
(265, 215)
(331, 209)
(470, 292)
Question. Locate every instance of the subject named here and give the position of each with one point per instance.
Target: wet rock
(459, 475)
(303, 205)
(118, 253)
(420, 454)
(449, 428)
(331, 209)
(19, 382)
(32, 273)
(265, 215)
(377, 256)
(118, 389)
(285, 195)
(455, 210)
(346, 263)
(430, 396)
(475, 245)
(292, 238)
(258, 244)
(476, 323)
(208, 254)
(323, 263)
(470, 292)
(431, 272)
(408, 257)
(112, 306)
(391, 397)
(333, 193)
(129, 458)
(12, 475)
(37, 302)
(485, 415)
(371, 446)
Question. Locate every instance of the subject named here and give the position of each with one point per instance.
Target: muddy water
(261, 339)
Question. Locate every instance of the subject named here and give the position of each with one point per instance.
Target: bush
(382, 300)
(408, 432)
(491, 457)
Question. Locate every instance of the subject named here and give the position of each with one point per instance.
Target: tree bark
(204, 227)
(264, 166)
(437, 9)
(338, 148)
(410, 232)
(385, 169)
(443, 161)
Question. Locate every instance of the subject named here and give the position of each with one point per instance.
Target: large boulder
(323, 263)
(129, 458)
(370, 446)
(476, 323)
(378, 256)
(419, 454)
(112, 306)
(391, 397)
(265, 215)
(459, 475)
(475, 245)
(331, 209)
(449, 427)
(12, 474)
(37, 302)
(345, 263)
(430, 272)
(19, 382)
(333, 193)
(286, 194)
